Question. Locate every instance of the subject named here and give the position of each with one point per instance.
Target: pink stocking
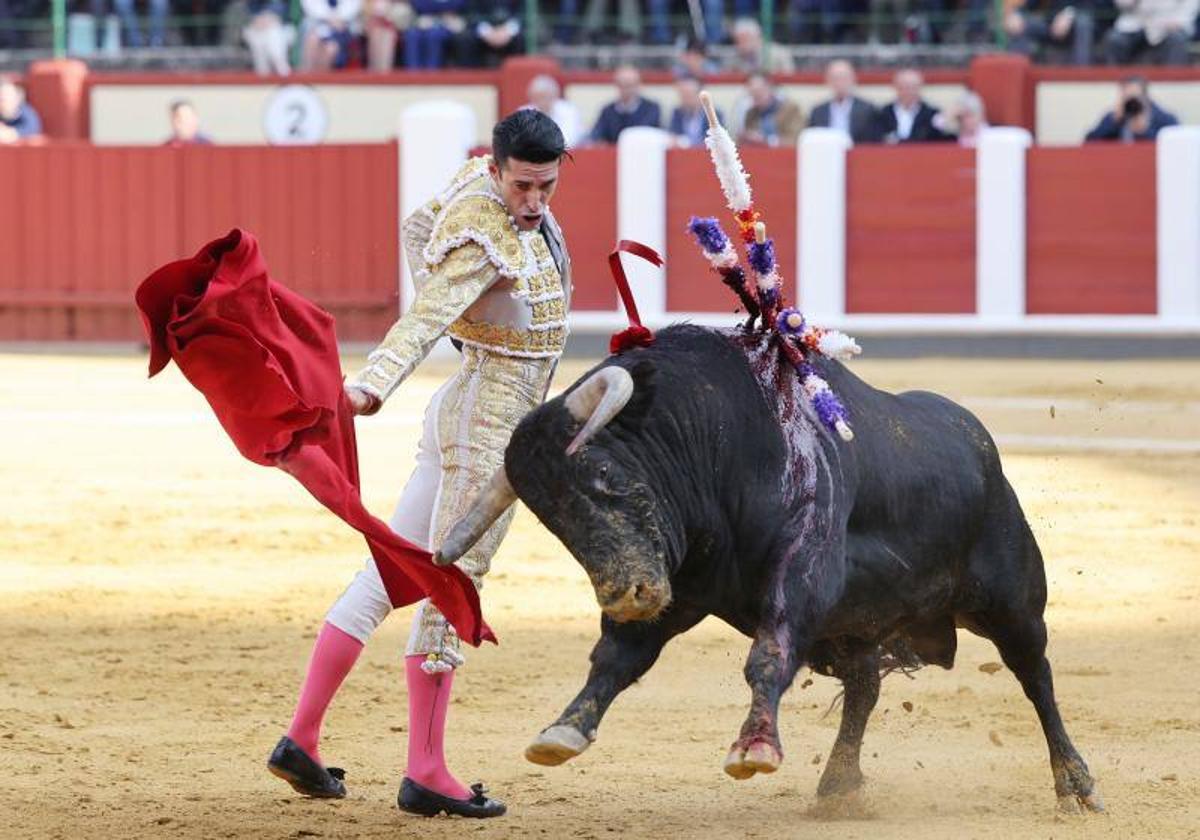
(428, 700)
(333, 656)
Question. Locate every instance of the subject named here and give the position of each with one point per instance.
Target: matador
(490, 269)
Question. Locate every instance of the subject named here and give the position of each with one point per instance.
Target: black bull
(691, 478)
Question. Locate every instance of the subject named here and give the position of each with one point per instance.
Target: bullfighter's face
(526, 189)
(600, 507)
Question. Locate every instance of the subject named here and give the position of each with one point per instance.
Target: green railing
(544, 26)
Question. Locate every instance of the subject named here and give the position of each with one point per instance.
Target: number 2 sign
(295, 115)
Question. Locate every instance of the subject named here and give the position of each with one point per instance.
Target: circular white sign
(295, 115)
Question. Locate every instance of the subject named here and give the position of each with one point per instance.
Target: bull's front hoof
(744, 761)
(557, 744)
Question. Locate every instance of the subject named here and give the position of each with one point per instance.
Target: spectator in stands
(819, 21)
(630, 108)
(494, 33)
(438, 21)
(185, 126)
(328, 33)
(1152, 30)
(890, 21)
(201, 21)
(970, 119)
(688, 121)
(597, 24)
(546, 96)
(694, 60)
(385, 20)
(1054, 27)
(18, 119)
(845, 111)
(751, 55)
(1135, 117)
(10, 32)
(713, 12)
(910, 119)
(131, 28)
(268, 38)
(770, 120)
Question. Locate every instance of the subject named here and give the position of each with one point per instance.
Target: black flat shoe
(416, 799)
(296, 767)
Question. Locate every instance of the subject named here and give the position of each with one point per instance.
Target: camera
(1133, 107)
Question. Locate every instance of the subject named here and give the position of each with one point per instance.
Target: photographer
(1136, 116)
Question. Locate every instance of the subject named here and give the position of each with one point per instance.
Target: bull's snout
(639, 602)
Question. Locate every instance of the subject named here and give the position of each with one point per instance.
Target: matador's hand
(361, 402)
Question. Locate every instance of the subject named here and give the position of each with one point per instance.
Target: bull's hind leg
(1021, 640)
(624, 653)
(859, 673)
(1011, 584)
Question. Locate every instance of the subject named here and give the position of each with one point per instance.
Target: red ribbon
(635, 335)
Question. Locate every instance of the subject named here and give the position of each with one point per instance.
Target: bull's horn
(597, 401)
(491, 502)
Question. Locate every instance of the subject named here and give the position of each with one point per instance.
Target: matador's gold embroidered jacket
(478, 278)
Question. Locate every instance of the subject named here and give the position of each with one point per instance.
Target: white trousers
(467, 427)
(365, 603)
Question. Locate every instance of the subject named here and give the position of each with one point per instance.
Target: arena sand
(159, 596)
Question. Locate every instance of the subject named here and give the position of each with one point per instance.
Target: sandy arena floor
(159, 596)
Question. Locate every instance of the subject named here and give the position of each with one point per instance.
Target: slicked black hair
(527, 135)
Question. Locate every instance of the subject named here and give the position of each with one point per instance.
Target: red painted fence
(692, 190)
(910, 229)
(1091, 230)
(81, 226)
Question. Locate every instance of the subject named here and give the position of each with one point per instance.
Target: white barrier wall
(435, 140)
(1000, 224)
(1179, 224)
(135, 115)
(642, 211)
(821, 264)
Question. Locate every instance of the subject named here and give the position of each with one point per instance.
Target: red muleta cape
(267, 361)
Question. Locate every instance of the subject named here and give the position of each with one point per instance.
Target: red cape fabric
(267, 361)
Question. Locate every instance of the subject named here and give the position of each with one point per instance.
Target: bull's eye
(600, 483)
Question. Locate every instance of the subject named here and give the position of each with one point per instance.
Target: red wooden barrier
(326, 217)
(1091, 230)
(586, 207)
(693, 190)
(82, 226)
(910, 229)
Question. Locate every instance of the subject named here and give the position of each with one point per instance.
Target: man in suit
(1136, 117)
(629, 109)
(910, 119)
(688, 121)
(770, 120)
(845, 111)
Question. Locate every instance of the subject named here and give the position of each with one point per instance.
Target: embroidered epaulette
(470, 211)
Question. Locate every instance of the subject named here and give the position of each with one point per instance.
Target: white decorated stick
(734, 182)
(709, 109)
(760, 232)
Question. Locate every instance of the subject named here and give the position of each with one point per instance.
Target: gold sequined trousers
(474, 421)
